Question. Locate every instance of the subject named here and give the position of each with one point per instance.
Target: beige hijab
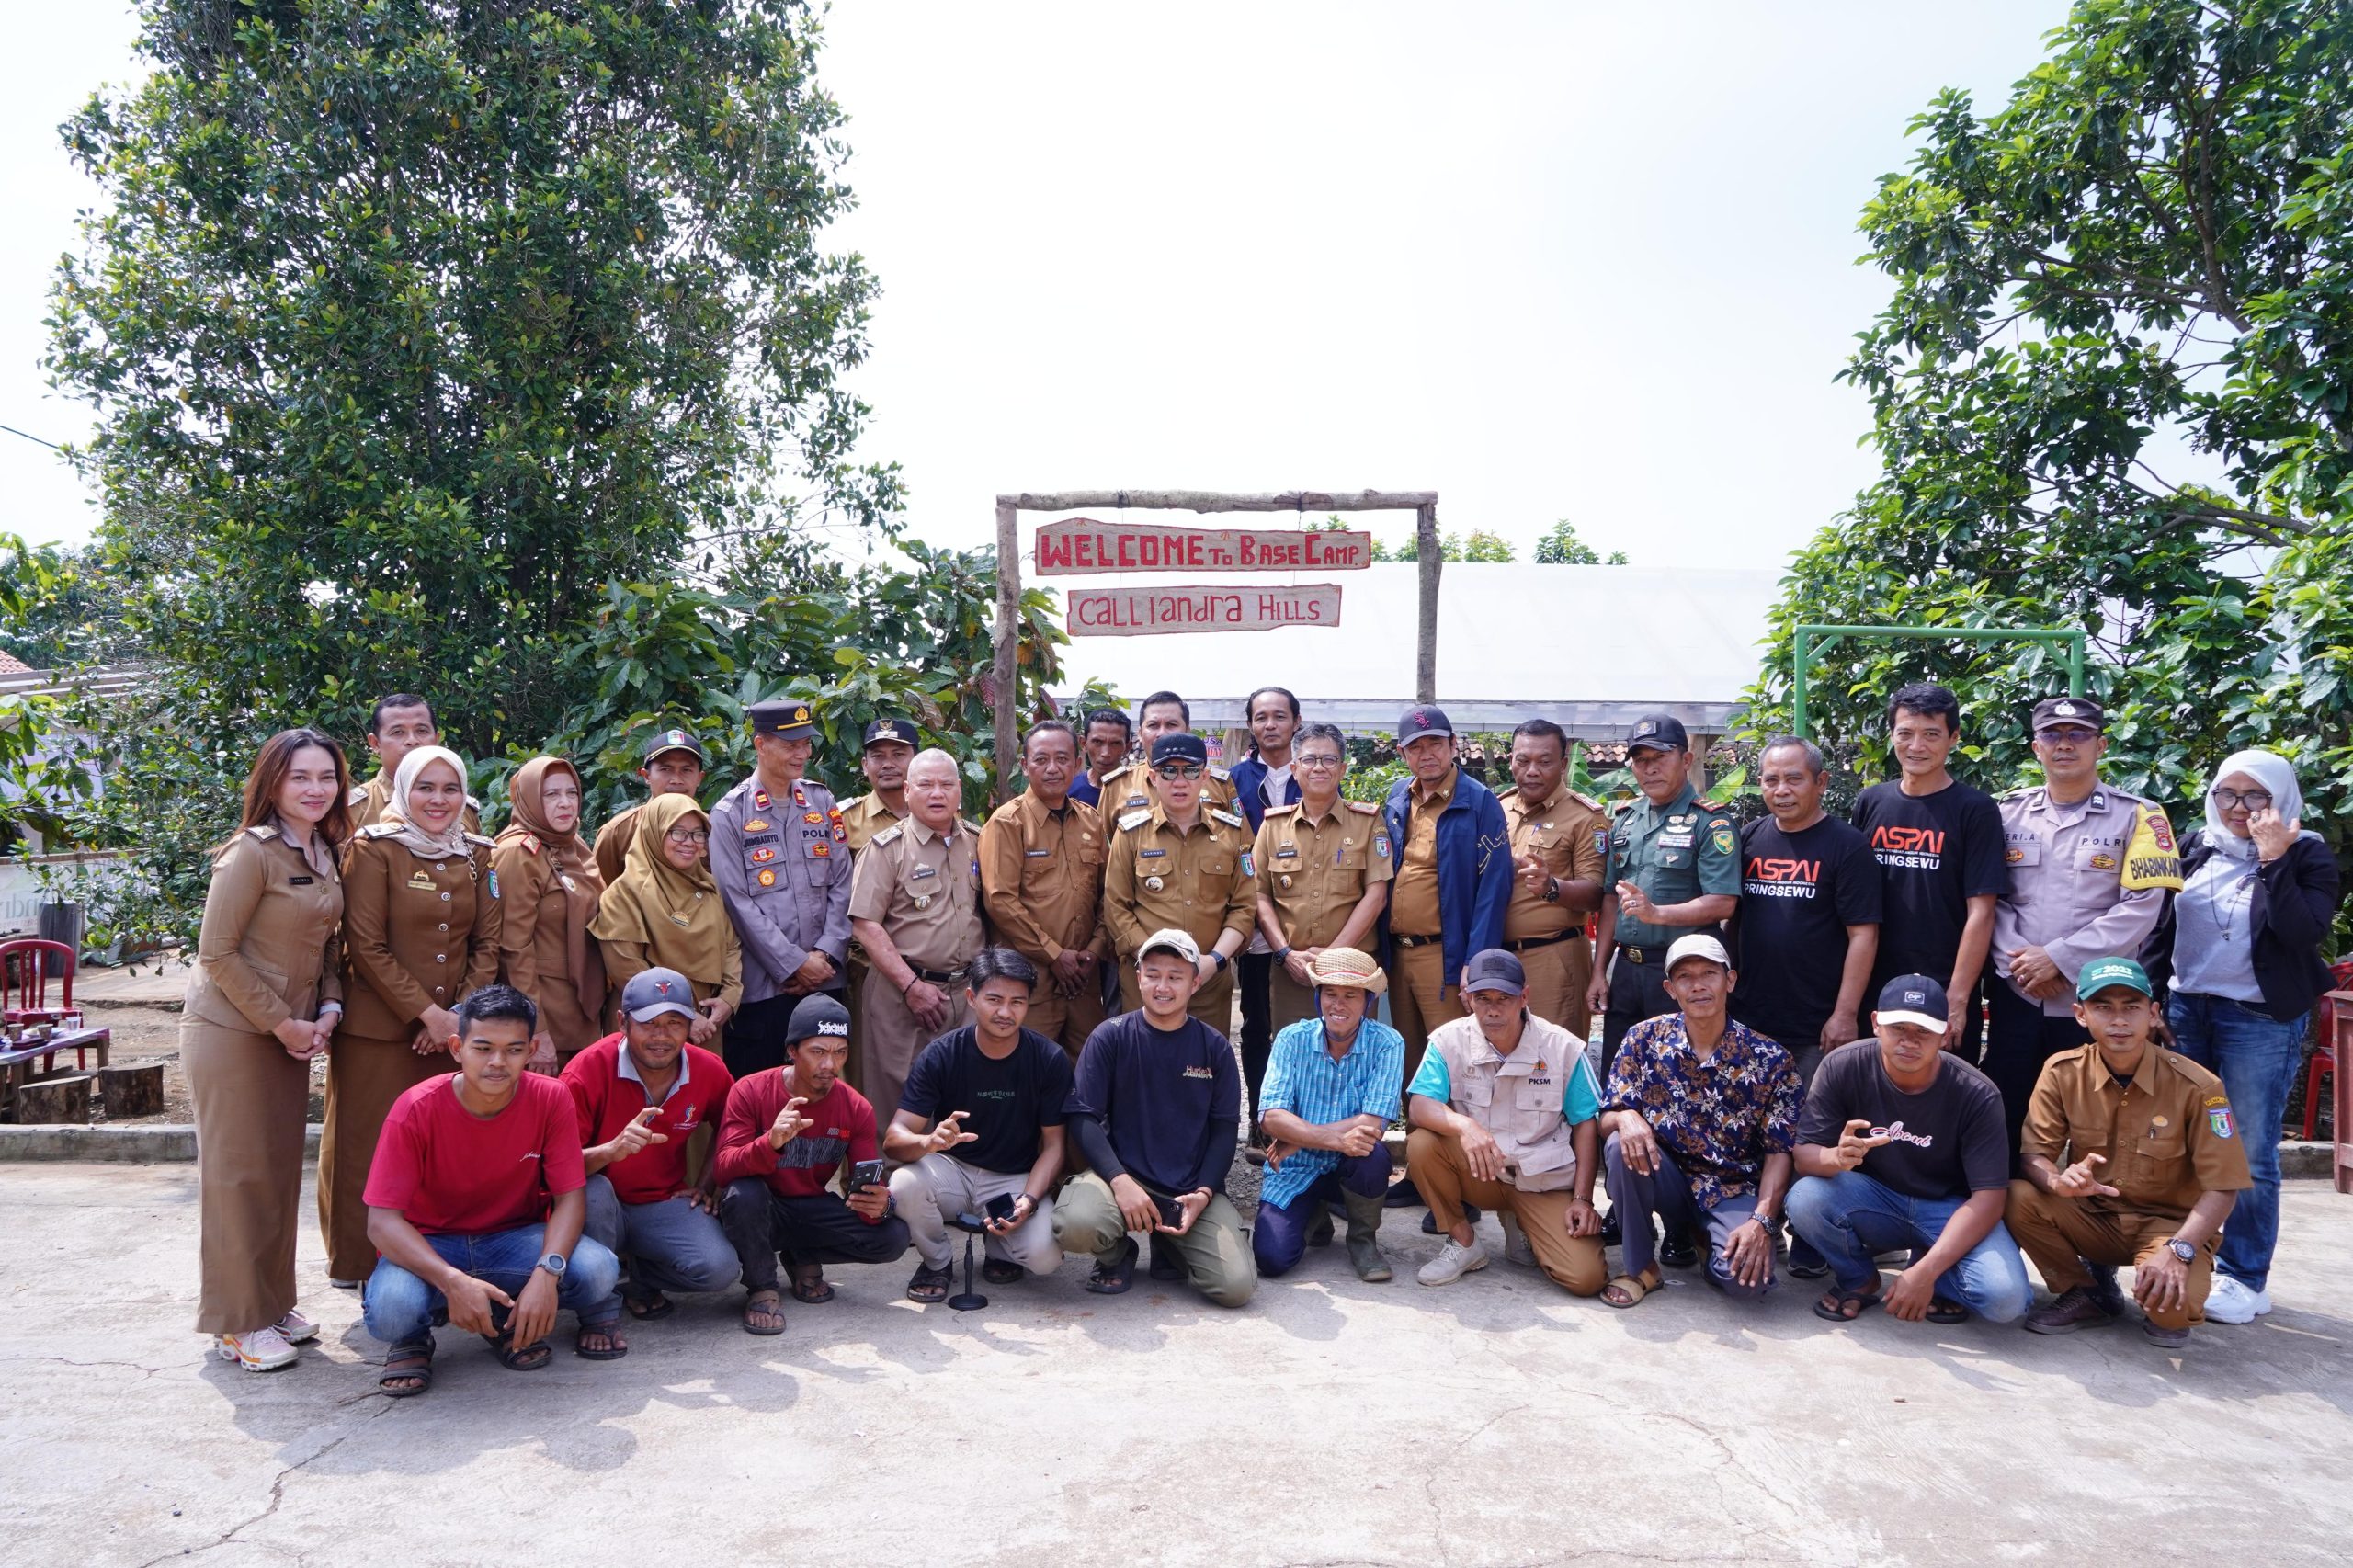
(423, 845)
(574, 868)
(676, 914)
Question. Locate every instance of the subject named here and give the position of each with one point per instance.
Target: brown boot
(2078, 1308)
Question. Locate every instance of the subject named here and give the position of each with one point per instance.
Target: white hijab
(2268, 768)
(423, 845)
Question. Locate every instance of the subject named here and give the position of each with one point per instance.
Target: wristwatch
(1553, 889)
(554, 1263)
(1220, 959)
(2181, 1249)
(1772, 1222)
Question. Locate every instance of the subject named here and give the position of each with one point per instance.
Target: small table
(21, 1064)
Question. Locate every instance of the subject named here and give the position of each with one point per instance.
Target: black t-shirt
(1799, 891)
(1935, 853)
(1948, 1141)
(1009, 1100)
(1169, 1100)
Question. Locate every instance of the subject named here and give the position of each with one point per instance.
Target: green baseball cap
(2101, 973)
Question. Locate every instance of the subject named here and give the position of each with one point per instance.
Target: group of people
(740, 1043)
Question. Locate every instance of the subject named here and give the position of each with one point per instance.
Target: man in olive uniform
(915, 904)
(781, 856)
(397, 726)
(2075, 895)
(1042, 882)
(1673, 866)
(884, 752)
(1177, 864)
(674, 764)
(1557, 841)
(1129, 788)
(1324, 871)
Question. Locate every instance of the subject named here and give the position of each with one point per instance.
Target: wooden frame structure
(1423, 503)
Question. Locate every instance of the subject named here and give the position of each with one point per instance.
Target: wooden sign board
(1081, 546)
(1140, 612)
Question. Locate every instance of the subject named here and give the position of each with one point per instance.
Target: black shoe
(1168, 1263)
(1111, 1278)
(1469, 1215)
(1402, 1194)
(2105, 1291)
(1613, 1231)
(1676, 1251)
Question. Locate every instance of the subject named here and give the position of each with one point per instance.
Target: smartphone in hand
(865, 1174)
(999, 1207)
(1172, 1213)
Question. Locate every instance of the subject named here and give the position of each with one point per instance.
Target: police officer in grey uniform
(2068, 904)
(781, 856)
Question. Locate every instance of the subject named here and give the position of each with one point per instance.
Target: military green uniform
(1201, 881)
(1674, 853)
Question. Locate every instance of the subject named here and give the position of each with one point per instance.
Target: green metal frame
(1809, 641)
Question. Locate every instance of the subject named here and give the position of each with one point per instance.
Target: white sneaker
(1516, 1247)
(297, 1329)
(343, 1284)
(1453, 1261)
(262, 1350)
(2229, 1301)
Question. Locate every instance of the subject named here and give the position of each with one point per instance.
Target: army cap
(1658, 732)
(676, 740)
(1698, 945)
(1181, 747)
(2101, 973)
(1170, 939)
(2052, 711)
(788, 719)
(1915, 999)
(1494, 970)
(654, 992)
(817, 1014)
(1420, 722)
(888, 730)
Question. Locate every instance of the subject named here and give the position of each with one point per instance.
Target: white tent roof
(1591, 647)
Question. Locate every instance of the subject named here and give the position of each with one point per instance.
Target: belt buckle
(1633, 955)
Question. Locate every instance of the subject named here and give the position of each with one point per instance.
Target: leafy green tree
(411, 326)
(1477, 545)
(1335, 523)
(2113, 389)
(1561, 546)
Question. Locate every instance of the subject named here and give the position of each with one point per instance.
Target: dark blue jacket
(1473, 868)
(2290, 914)
(1249, 780)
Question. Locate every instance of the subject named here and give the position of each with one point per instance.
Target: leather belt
(940, 977)
(1416, 941)
(1527, 942)
(1646, 956)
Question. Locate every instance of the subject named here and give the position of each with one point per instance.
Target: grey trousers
(937, 1187)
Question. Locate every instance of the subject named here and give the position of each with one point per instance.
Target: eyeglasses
(1178, 770)
(2253, 800)
(689, 835)
(1320, 761)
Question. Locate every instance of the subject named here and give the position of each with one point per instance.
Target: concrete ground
(1495, 1421)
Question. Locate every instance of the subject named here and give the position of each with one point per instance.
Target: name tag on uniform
(1675, 840)
(299, 881)
(920, 873)
(1150, 854)
(1287, 852)
(1035, 854)
(419, 880)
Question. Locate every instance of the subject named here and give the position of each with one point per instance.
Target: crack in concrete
(69, 1361)
(277, 1497)
(1429, 1478)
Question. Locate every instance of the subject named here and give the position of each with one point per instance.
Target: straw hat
(1346, 966)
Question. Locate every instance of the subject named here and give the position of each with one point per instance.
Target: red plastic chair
(25, 965)
(2335, 1022)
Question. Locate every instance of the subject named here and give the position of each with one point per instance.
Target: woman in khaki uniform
(261, 1003)
(664, 913)
(549, 886)
(420, 931)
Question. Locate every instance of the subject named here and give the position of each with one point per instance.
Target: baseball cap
(676, 740)
(1420, 722)
(1180, 748)
(1494, 970)
(898, 730)
(2101, 973)
(787, 719)
(1347, 966)
(2082, 711)
(1658, 732)
(1169, 939)
(1698, 945)
(1914, 999)
(817, 1014)
(654, 992)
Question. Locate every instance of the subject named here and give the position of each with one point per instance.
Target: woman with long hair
(665, 912)
(420, 934)
(550, 886)
(262, 999)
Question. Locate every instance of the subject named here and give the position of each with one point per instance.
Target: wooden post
(1008, 618)
(1425, 646)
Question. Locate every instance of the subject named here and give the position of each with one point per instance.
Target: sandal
(1001, 1270)
(1845, 1306)
(1626, 1290)
(764, 1314)
(529, 1358)
(613, 1348)
(1941, 1310)
(808, 1286)
(929, 1284)
(408, 1372)
(1113, 1279)
(647, 1308)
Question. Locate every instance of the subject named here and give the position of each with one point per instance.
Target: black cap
(1658, 732)
(900, 730)
(1494, 970)
(676, 740)
(814, 1015)
(1182, 746)
(788, 718)
(1420, 722)
(2081, 710)
(1915, 999)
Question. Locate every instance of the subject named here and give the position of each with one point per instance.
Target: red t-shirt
(453, 1172)
(842, 1124)
(607, 1102)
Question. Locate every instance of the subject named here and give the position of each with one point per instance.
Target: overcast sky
(1550, 260)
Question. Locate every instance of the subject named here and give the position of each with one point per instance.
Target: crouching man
(1155, 1106)
(785, 1132)
(475, 1204)
(2157, 1166)
(980, 1124)
(1330, 1089)
(1505, 1114)
(641, 1095)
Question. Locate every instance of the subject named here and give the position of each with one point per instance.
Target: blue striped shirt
(1302, 1079)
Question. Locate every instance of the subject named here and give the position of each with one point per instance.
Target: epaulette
(969, 825)
(1219, 773)
(262, 830)
(2021, 792)
(358, 793)
(1625, 806)
(485, 843)
(1507, 789)
(1129, 822)
(1226, 817)
(1706, 805)
(885, 836)
(1366, 808)
(1282, 811)
(379, 830)
(1587, 801)
(530, 843)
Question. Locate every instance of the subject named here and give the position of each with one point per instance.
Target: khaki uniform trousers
(1218, 1260)
(894, 1036)
(1422, 996)
(1557, 975)
(1290, 1000)
(1066, 1020)
(2061, 1234)
(1441, 1173)
(364, 1077)
(854, 998)
(1212, 1004)
(252, 1100)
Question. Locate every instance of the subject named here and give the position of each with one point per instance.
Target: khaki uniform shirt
(2168, 1136)
(1316, 873)
(2067, 894)
(1129, 789)
(865, 816)
(1155, 877)
(1568, 833)
(1523, 1099)
(368, 802)
(924, 890)
(611, 849)
(417, 933)
(535, 958)
(271, 947)
(1042, 877)
(1412, 901)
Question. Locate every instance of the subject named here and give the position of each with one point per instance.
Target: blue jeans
(670, 1243)
(1279, 1238)
(2257, 1058)
(401, 1306)
(1666, 1192)
(1851, 1219)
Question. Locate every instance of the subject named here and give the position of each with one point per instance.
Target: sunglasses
(1177, 770)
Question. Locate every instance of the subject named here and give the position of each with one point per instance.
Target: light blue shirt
(1303, 1079)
